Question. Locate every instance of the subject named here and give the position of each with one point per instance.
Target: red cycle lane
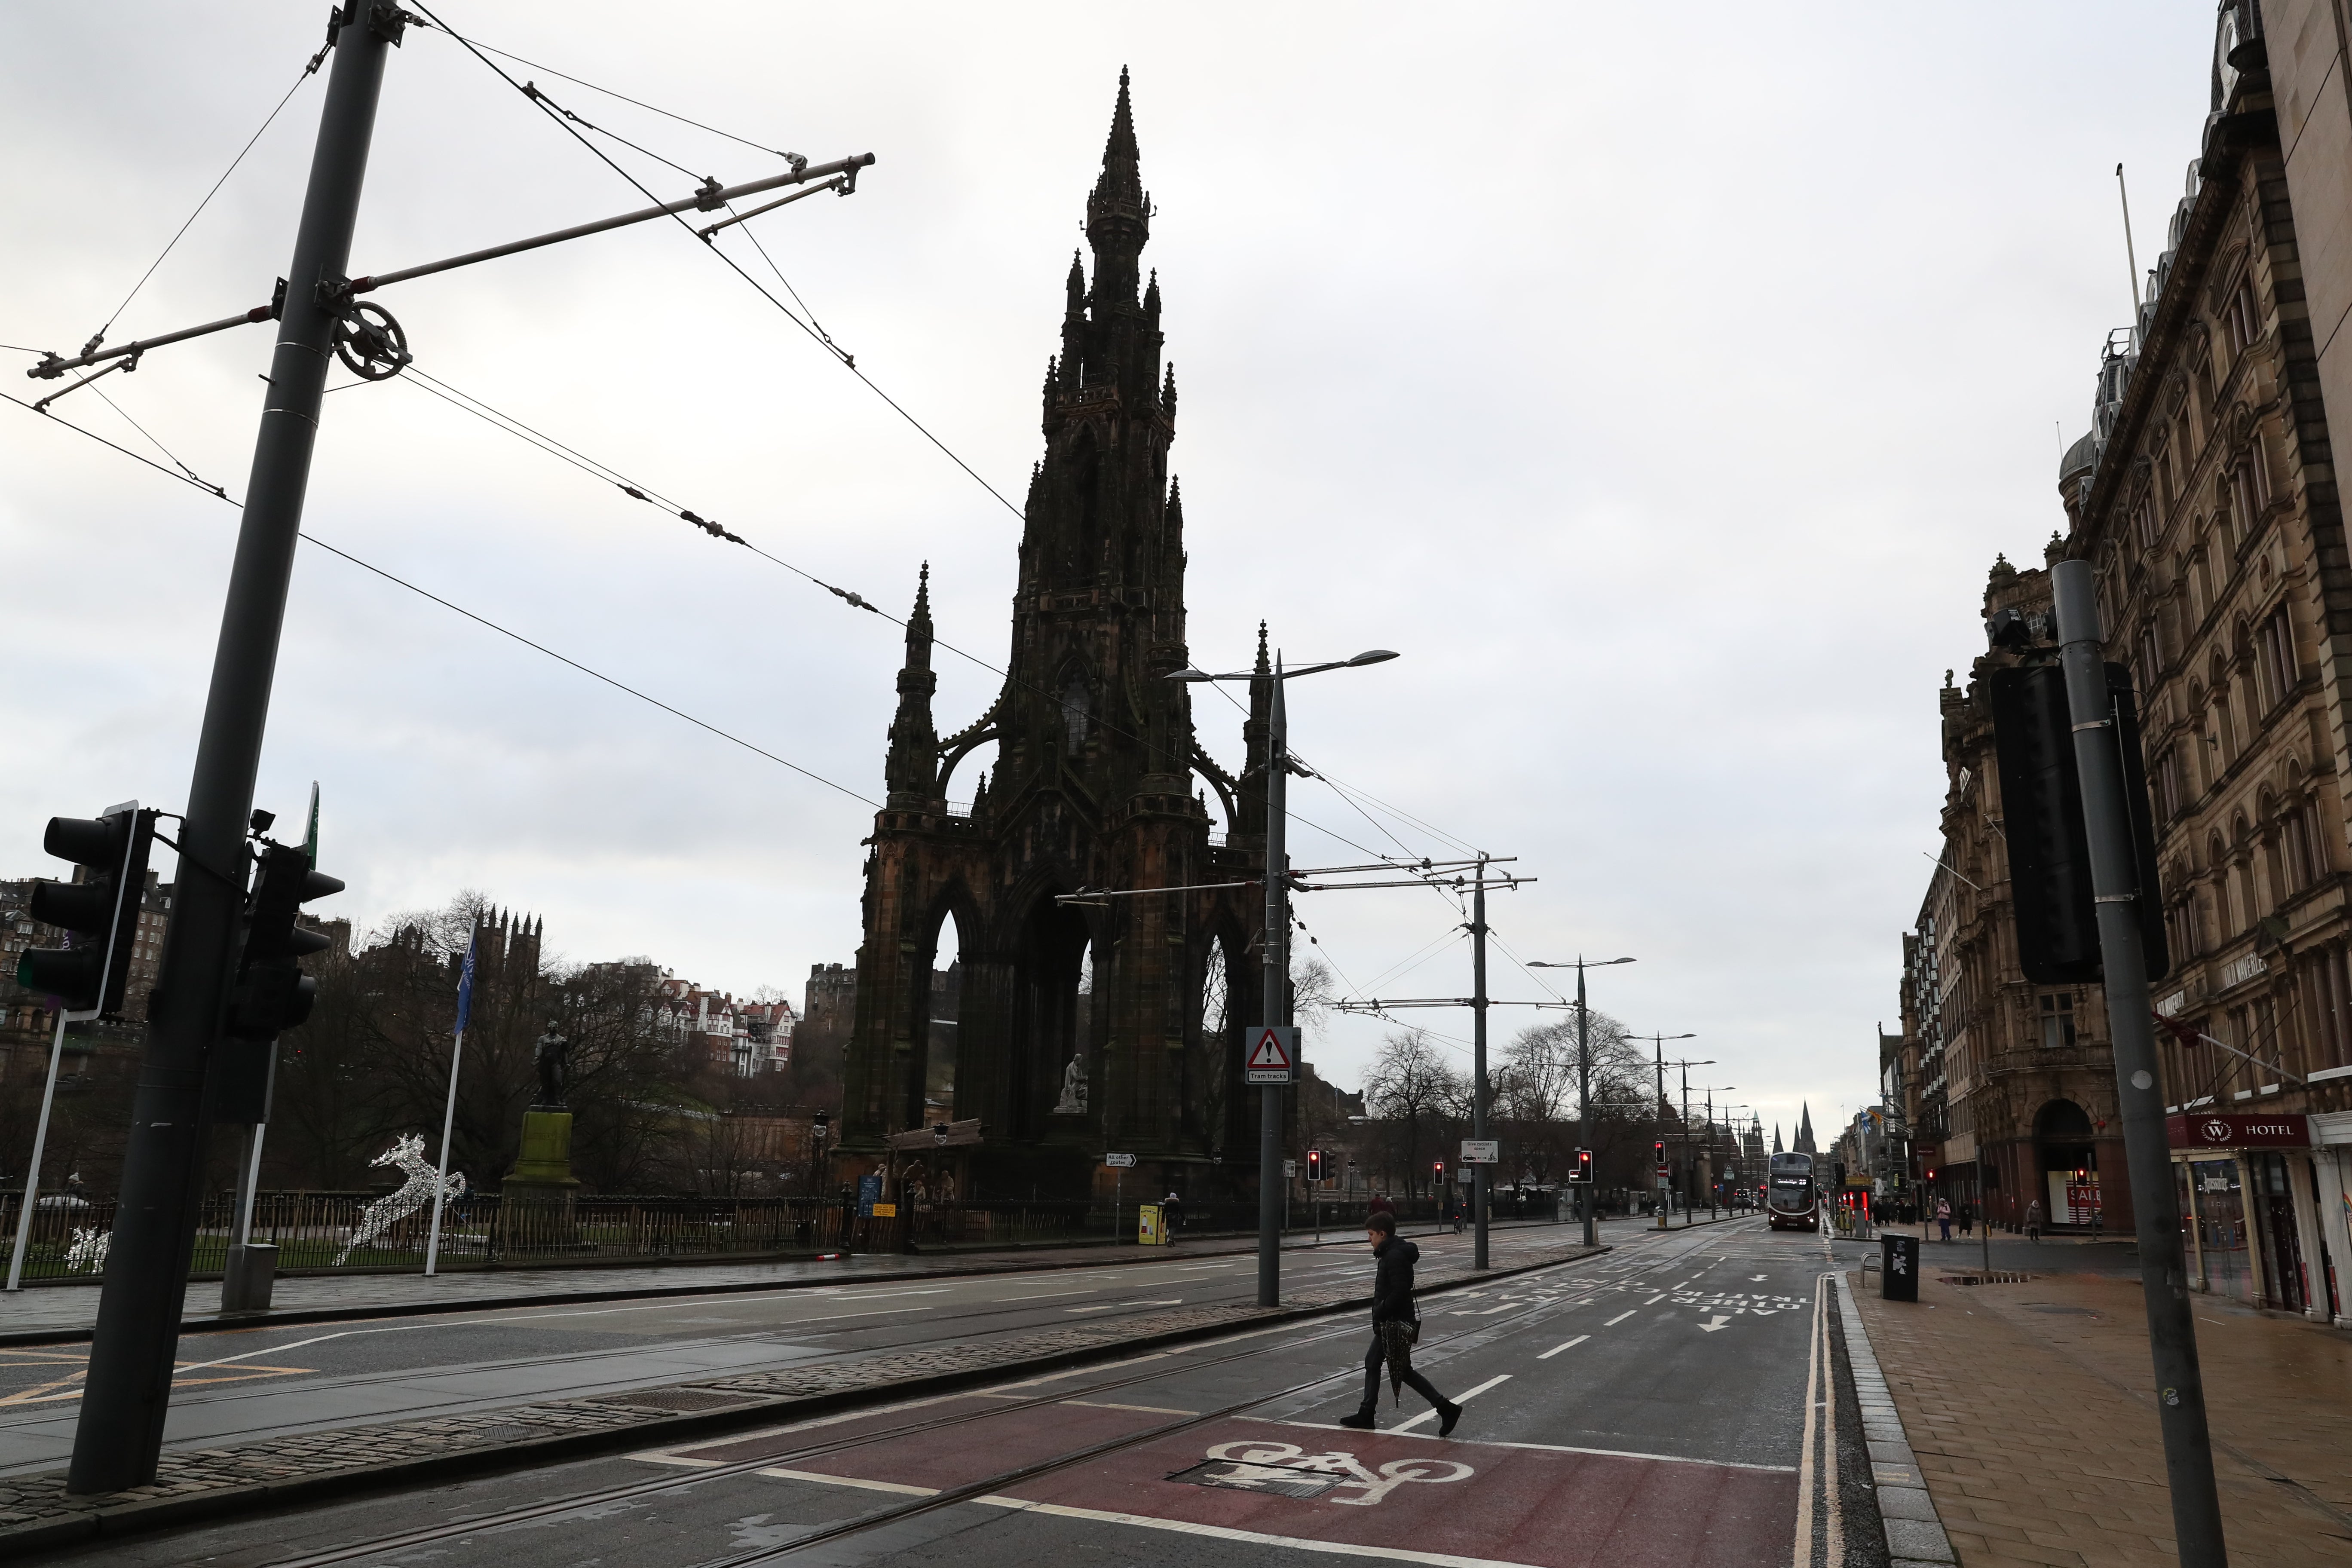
(1401, 1497)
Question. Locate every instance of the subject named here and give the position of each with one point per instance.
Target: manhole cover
(1241, 1476)
(678, 1399)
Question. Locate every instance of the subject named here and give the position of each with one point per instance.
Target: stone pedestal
(535, 1199)
(542, 1170)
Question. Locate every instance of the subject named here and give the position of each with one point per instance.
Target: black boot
(1447, 1414)
(1360, 1421)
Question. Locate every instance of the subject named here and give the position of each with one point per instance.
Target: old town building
(2205, 499)
(2011, 1085)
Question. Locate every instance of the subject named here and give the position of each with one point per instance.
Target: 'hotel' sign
(2224, 1129)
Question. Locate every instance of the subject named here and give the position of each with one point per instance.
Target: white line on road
(1253, 1536)
(1619, 1319)
(1467, 1396)
(1569, 1346)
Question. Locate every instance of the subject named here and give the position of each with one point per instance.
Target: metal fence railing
(337, 1233)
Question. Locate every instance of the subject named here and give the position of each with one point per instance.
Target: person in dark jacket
(1396, 1323)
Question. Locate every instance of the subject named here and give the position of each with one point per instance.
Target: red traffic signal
(1437, 1169)
(1659, 1149)
(1315, 1164)
(1584, 1172)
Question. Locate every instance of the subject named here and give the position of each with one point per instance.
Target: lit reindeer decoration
(408, 1153)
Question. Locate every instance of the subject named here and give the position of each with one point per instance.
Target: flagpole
(450, 1111)
(441, 1175)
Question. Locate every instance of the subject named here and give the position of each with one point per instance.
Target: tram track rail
(403, 1541)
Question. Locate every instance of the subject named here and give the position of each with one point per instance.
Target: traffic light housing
(2042, 821)
(1582, 1170)
(90, 977)
(270, 994)
(1437, 1171)
(1658, 1155)
(1315, 1164)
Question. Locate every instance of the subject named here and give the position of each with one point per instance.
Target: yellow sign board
(886, 1211)
(1151, 1230)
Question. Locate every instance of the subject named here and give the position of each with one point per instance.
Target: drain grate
(679, 1400)
(508, 1432)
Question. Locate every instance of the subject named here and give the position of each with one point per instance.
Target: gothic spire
(1119, 213)
(911, 772)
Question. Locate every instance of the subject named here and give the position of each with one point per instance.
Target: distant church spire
(1805, 1131)
(1776, 1139)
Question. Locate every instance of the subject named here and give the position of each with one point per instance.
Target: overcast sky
(1661, 389)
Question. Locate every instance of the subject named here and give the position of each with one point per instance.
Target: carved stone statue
(1073, 1086)
(552, 1056)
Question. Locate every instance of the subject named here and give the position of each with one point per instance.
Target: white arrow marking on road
(1752, 1278)
(1710, 1328)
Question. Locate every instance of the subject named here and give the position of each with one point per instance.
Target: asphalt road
(240, 1384)
(1647, 1406)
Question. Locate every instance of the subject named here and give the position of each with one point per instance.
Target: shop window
(2058, 1021)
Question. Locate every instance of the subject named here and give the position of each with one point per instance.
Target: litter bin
(1898, 1268)
(246, 1282)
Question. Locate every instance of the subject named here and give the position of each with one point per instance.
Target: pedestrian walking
(2033, 1220)
(1171, 1214)
(1396, 1324)
(1967, 1218)
(1944, 1216)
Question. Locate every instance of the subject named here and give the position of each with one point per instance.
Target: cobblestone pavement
(34, 1507)
(72, 1309)
(2025, 1406)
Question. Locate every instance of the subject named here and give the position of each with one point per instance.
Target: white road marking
(1467, 1396)
(1619, 1319)
(1549, 1448)
(1710, 1327)
(783, 1474)
(1253, 1536)
(1569, 1346)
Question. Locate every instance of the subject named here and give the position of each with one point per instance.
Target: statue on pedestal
(552, 1056)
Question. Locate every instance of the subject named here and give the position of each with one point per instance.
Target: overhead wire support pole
(1479, 1175)
(1272, 1189)
(119, 1436)
(710, 198)
(2180, 1386)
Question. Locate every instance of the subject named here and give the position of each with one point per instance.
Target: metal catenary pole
(1584, 1107)
(2171, 1330)
(441, 1168)
(1271, 1188)
(120, 1432)
(1478, 1173)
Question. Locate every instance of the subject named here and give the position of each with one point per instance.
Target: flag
(465, 984)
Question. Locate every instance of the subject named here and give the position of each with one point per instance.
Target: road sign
(1290, 1168)
(1481, 1151)
(1121, 1162)
(1273, 1055)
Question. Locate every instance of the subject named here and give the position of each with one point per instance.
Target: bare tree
(1412, 1088)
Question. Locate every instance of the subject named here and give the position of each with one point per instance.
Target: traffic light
(1437, 1171)
(1314, 1167)
(1583, 1168)
(89, 977)
(1658, 1155)
(271, 993)
(2049, 850)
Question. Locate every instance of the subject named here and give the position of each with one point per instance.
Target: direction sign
(1273, 1055)
(1121, 1162)
(1481, 1151)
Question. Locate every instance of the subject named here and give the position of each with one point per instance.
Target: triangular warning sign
(1269, 1055)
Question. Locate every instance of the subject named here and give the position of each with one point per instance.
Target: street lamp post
(1583, 1081)
(1685, 1065)
(1272, 1190)
(1708, 1148)
(1658, 1112)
